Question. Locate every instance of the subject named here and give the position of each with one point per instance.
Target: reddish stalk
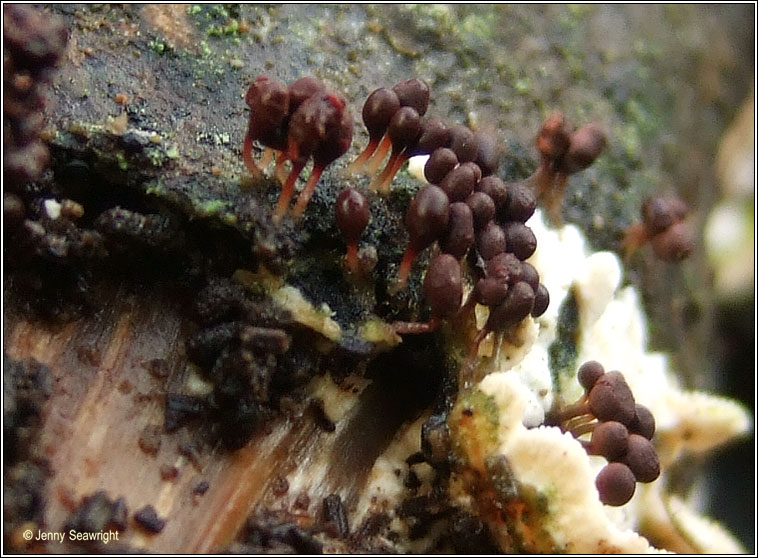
(268, 156)
(555, 198)
(307, 193)
(288, 190)
(373, 164)
(351, 259)
(360, 162)
(575, 413)
(405, 268)
(582, 428)
(635, 236)
(543, 179)
(383, 182)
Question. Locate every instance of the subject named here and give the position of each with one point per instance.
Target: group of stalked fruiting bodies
(467, 207)
(620, 429)
(664, 224)
(464, 206)
(299, 122)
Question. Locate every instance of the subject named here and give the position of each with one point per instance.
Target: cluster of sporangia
(664, 225)
(296, 123)
(464, 206)
(620, 429)
(564, 151)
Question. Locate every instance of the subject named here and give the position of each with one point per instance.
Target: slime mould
(490, 274)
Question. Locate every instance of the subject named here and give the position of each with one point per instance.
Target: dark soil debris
(147, 518)
(97, 513)
(150, 439)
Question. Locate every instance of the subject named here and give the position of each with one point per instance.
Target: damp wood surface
(184, 71)
(105, 396)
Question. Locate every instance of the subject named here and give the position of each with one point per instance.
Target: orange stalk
(288, 190)
(305, 195)
(372, 165)
(359, 163)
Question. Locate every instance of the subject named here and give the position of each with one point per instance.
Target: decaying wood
(105, 396)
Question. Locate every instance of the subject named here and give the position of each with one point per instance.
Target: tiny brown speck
(201, 488)
(303, 501)
(158, 367)
(169, 472)
(89, 355)
(192, 453)
(150, 439)
(280, 486)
